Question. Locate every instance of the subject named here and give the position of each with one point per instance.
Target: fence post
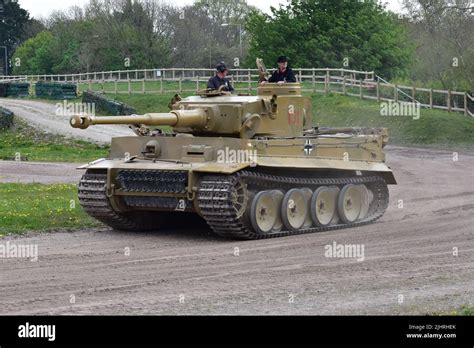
(431, 98)
(327, 82)
(301, 76)
(344, 85)
(143, 86)
(395, 91)
(180, 84)
(360, 89)
(197, 83)
(129, 87)
(413, 91)
(249, 82)
(449, 100)
(313, 80)
(174, 76)
(378, 90)
(465, 103)
(161, 83)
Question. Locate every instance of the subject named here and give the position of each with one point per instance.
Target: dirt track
(408, 252)
(40, 172)
(44, 116)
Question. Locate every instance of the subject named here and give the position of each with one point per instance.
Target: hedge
(106, 105)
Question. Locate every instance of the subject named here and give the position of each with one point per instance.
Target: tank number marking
(294, 116)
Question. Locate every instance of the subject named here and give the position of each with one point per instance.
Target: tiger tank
(250, 166)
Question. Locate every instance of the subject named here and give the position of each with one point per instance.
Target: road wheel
(323, 205)
(263, 212)
(349, 203)
(294, 209)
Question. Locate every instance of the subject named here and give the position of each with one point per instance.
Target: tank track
(93, 199)
(216, 192)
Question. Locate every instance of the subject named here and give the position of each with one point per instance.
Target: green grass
(464, 311)
(36, 145)
(433, 128)
(26, 207)
(467, 311)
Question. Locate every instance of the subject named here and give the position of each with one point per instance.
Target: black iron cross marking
(308, 147)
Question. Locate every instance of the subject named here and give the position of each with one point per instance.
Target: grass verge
(463, 311)
(26, 207)
(434, 128)
(36, 145)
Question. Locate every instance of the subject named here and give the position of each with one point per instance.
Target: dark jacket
(215, 82)
(287, 76)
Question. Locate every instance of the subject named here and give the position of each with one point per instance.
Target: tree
(35, 54)
(442, 31)
(198, 37)
(327, 33)
(125, 34)
(12, 23)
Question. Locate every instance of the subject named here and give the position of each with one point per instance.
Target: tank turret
(277, 110)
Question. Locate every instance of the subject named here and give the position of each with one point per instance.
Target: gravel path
(40, 172)
(408, 266)
(43, 115)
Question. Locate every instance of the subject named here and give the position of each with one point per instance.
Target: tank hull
(239, 187)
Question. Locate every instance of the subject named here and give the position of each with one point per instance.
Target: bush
(6, 118)
(107, 105)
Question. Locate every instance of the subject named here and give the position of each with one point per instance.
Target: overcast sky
(39, 8)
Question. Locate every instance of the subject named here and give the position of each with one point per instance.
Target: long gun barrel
(196, 118)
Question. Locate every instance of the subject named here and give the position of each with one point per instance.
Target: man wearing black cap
(219, 80)
(284, 73)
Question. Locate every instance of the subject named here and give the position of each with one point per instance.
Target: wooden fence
(362, 84)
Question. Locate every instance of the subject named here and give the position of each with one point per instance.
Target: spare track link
(215, 201)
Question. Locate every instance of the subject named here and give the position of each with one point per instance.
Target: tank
(249, 166)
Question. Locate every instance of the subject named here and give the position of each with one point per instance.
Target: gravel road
(409, 265)
(39, 172)
(44, 116)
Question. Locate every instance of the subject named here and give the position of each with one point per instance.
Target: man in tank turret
(220, 80)
(284, 73)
